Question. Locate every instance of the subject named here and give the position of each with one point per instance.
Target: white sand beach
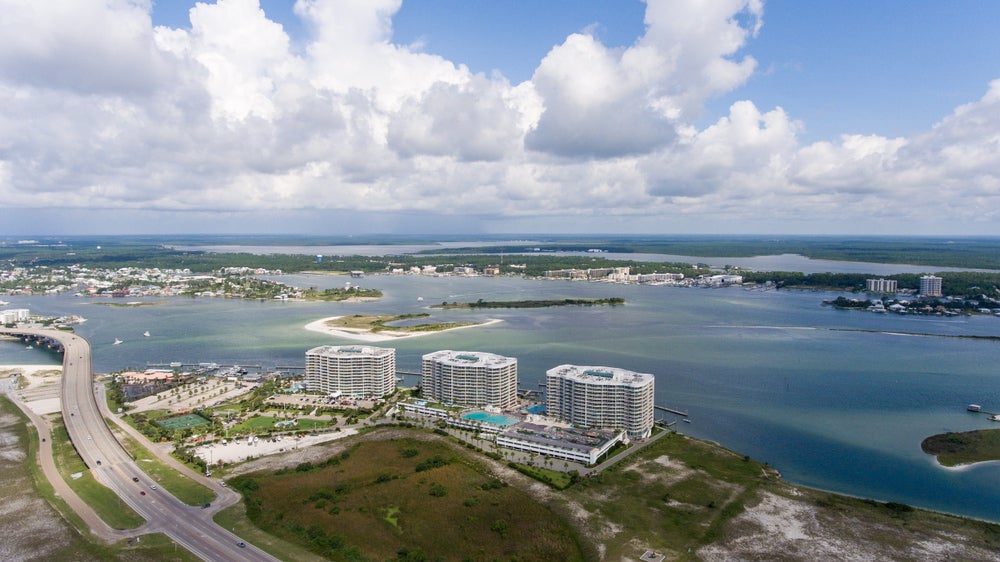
(361, 334)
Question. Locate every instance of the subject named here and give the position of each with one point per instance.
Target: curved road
(190, 527)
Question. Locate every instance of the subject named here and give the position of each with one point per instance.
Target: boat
(4, 303)
(974, 408)
(146, 333)
(117, 341)
(420, 298)
(685, 420)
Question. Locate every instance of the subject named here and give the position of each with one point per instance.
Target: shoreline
(364, 335)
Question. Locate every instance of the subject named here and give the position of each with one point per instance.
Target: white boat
(4, 303)
(146, 333)
(117, 341)
(420, 298)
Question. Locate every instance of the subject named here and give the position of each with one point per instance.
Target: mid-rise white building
(14, 315)
(351, 370)
(881, 285)
(470, 378)
(601, 397)
(930, 286)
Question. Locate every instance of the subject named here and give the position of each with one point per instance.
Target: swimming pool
(536, 409)
(492, 419)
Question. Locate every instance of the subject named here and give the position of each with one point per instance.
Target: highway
(189, 526)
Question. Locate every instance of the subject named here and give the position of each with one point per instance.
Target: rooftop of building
(601, 375)
(350, 351)
(470, 358)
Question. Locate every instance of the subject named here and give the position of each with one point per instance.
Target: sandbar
(362, 334)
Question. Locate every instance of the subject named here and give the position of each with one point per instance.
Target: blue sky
(339, 116)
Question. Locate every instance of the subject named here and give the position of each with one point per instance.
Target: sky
(338, 117)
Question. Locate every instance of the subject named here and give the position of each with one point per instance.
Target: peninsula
(613, 301)
(955, 449)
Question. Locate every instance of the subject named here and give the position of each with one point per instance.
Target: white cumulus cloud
(99, 109)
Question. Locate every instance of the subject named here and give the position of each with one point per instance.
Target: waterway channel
(837, 400)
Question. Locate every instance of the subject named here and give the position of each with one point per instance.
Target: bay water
(837, 400)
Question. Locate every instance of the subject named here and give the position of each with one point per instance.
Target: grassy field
(106, 503)
(386, 498)
(953, 449)
(669, 505)
(409, 494)
(170, 479)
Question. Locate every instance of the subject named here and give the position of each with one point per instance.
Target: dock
(671, 410)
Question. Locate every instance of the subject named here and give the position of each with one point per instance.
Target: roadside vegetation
(170, 479)
(108, 506)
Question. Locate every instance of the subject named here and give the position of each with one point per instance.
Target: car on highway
(135, 478)
(241, 544)
(142, 492)
(152, 487)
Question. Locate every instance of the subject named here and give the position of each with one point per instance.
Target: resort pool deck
(492, 419)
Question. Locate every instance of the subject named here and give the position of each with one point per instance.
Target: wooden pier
(671, 410)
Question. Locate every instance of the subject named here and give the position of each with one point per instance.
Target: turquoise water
(497, 420)
(837, 400)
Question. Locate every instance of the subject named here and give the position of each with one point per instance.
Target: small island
(613, 301)
(338, 295)
(964, 448)
(373, 328)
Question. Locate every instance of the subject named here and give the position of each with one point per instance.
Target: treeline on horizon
(130, 253)
(976, 253)
(961, 251)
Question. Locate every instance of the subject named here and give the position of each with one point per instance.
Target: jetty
(671, 410)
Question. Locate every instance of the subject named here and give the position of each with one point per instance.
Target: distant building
(601, 397)
(602, 273)
(930, 286)
(658, 277)
(351, 370)
(14, 315)
(881, 285)
(470, 378)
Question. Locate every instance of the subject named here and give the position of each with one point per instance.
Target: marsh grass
(379, 500)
